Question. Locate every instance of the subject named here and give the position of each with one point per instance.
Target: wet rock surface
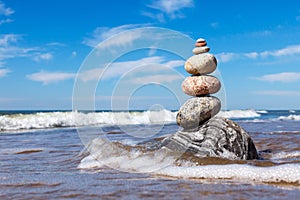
(218, 137)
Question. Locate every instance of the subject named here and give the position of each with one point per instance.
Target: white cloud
(4, 72)
(174, 63)
(158, 16)
(4, 10)
(46, 56)
(252, 55)
(278, 93)
(43, 56)
(214, 25)
(171, 8)
(152, 51)
(4, 21)
(74, 53)
(102, 33)
(92, 74)
(226, 57)
(14, 52)
(281, 77)
(287, 51)
(9, 49)
(290, 50)
(161, 78)
(262, 33)
(119, 68)
(56, 44)
(7, 39)
(50, 77)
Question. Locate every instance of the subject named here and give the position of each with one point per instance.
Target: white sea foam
(262, 111)
(288, 172)
(71, 119)
(290, 117)
(103, 153)
(239, 114)
(284, 155)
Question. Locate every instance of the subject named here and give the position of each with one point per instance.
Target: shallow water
(52, 163)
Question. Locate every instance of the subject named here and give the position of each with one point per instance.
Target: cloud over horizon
(4, 72)
(117, 69)
(277, 93)
(50, 77)
(283, 77)
(286, 51)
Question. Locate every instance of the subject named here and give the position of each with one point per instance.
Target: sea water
(86, 155)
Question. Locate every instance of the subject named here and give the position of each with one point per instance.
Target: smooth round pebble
(200, 85)
(199, 50)
(200, 44)
(204, 63)
(200, 40)
(196, 111)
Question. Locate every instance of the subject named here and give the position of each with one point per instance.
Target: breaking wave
(239, 114)
(290, 117)
(43, 120)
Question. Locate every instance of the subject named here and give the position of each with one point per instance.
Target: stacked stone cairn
(200, 85)
(204, 134)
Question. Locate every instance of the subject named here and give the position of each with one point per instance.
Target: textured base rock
(218, 137)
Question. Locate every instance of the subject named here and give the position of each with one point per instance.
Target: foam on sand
(103, 153)
(289, 173)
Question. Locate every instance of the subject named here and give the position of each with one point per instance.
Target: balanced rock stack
(204, 134)
(200, 85)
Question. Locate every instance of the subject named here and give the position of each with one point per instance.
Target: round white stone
(199, 50)
(200, 40)
(202, 64)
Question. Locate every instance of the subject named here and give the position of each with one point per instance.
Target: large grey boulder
(218, 137)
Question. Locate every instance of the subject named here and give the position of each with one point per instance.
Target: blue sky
(43, 44)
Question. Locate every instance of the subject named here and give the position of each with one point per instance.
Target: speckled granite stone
(200, 85)
(197, 110)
